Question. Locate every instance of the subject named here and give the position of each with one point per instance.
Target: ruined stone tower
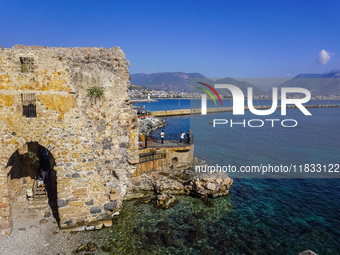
(47, 120)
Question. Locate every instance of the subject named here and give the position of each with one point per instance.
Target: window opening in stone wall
(29, 108)
(27, 65)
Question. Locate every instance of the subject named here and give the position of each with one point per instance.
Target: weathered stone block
(124, 139)
(104, 216)
(89, 202)
(95, 210)
(107, 146)
(89, 228)
(61, 202)
(99, 226)
(76, 203)
(3, 205)
(107, 223)
(75, 175)
(5, 225)
(100, 127)
(79, 192)
(112, 206)
(114, 197)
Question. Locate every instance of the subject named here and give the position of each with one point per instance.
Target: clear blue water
(316, 139)
(260, 216)
(166, 104)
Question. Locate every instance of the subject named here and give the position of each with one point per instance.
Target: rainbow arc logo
(204, 97)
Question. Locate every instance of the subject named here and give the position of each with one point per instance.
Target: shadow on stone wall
(27, 165)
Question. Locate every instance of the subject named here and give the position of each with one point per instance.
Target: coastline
(180, 112)
(47, 241)
(134, 101)
(154, 99)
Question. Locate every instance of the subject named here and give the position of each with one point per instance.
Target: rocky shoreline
(148, 124)
(159, 189)
(161, 186)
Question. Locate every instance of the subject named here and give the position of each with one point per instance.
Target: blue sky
(215, 38)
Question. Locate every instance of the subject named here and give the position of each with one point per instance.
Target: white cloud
(323, 57)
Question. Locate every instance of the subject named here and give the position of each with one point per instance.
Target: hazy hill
(169, 81)
(318, 84)
(243, 85)
(136, 87)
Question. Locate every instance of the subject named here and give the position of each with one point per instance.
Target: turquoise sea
(260, 216)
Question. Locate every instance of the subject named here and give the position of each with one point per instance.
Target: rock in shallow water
(106, 248)
(164, 201)
(165, 237)
(162, 225)
(91, 246)
(80, 249)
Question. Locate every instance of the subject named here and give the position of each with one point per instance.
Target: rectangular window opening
(29, 105)
(27, 64)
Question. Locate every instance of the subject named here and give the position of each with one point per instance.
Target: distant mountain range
(319, 84)
(243, 85)
(169, 81)
(180, 82)
(137, 87)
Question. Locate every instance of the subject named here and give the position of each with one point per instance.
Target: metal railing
(170, 140)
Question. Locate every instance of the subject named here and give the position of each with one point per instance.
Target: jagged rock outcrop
(210, 186)
(177, 182)
(148, 124)
(164, 201)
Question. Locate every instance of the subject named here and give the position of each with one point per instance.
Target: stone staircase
(40, 201)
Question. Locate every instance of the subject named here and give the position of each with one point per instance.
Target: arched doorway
(32, 167)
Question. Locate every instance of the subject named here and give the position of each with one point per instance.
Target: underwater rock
(106, 248)
(80, 249)
(91, 246)
(162, 225)
(207, 202)
(198, 215)
(165, 237)
(164, 201)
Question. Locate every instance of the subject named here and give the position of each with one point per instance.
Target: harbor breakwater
(180, 112)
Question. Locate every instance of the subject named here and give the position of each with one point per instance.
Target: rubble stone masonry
(93, 142)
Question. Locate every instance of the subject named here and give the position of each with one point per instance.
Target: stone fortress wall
(92, 144)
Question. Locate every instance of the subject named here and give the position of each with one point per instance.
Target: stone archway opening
(30, 164)
(174, 161)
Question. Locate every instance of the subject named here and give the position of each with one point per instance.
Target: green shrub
(24, 68)
(95, 93)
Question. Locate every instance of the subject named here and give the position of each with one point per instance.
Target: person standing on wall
(182, 137)
(162, 136)
(190, 137)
